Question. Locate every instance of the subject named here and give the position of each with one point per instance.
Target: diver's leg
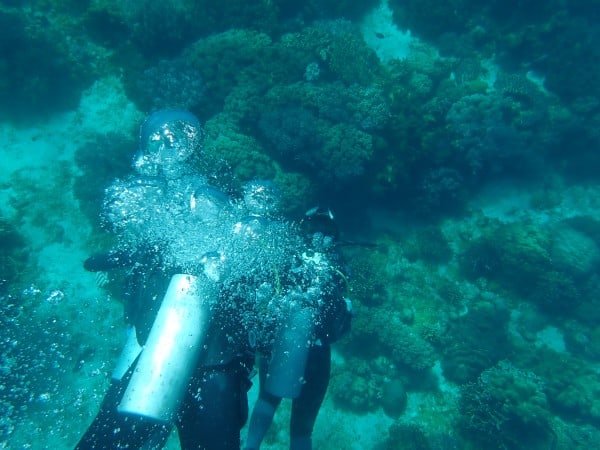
(261, 419)
(262, 413)
(112, 430)
(102, 429)
(306, 407)
(215, 409)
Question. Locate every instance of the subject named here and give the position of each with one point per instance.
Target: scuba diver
(179, 367)
(296, 364)
(208, 281)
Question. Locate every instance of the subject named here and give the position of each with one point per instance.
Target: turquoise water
(456, 142)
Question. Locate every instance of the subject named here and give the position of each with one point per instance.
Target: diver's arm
(103, 262)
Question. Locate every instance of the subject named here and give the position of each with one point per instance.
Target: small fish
(101, 279)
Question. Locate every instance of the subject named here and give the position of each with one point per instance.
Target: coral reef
(520, 257)
(169, 84)
(344, 155)
(160, 28)
(440, 191)
(354, 386)
(428, 244)
(364, 386)
(227, 147)
(485, 137)
(383, 332)
(322, 9)
(347, 55)
(443, 273)
(506, 408)
(574, 251)
(406, 436)
(44, 66)
(570, 384)
(291, 132)
(366, 284)
(305, 128)
(475, 341)
(236, 59)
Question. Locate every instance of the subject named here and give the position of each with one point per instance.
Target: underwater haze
(456, 142)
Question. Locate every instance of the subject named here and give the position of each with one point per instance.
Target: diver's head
(261, 198)
(167, 139)
(319, 224)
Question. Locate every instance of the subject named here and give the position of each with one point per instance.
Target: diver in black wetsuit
(306, 378)
(213, 408)
(177, 368)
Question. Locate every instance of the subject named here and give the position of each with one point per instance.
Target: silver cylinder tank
(285, 375)
(128, 356)
(172, 349)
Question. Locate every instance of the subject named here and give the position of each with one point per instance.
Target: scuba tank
(293, 339)
(172, 350)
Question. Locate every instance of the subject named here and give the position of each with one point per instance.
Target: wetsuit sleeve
(103, 262)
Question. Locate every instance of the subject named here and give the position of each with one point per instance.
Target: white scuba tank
(172, 350)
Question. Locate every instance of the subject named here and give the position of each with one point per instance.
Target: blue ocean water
(457, 144)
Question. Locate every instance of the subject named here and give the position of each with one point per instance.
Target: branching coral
(441, 190)
(514, 251)
(362, 386)
(366, 108)
(349, 58)
(235, 59)
(486, 137)
(233, 157)
(345, 153)
(227, 149)
(334, 153)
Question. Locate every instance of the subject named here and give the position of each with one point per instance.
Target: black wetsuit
(305, 407)
(215, 406)
(334, 321)
(213, 411)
